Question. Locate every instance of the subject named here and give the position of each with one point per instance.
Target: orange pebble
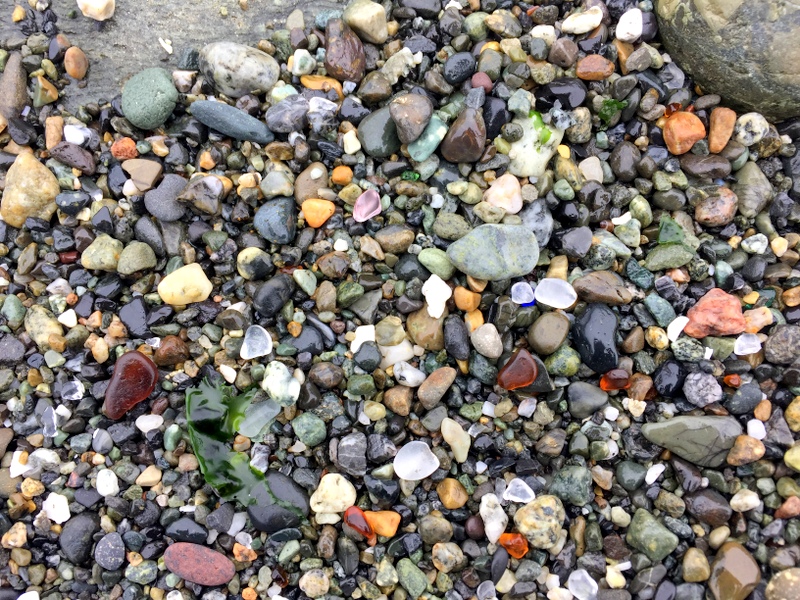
(124, 149)
(317, 211)
(473, 319)
(515, 544)
(294, 328)
(75, 62)
(763, 410)
(383, 522)
(466, 300)
(320, 82)
(249, 594)
(342, 175)
(243, 553)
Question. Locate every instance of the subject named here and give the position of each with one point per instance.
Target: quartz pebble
(555, 293)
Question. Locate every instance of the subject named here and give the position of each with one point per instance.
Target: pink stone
(481, 79)
(367, 205)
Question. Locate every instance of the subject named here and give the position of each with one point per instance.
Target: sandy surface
(129, 42)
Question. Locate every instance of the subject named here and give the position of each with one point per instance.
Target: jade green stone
(660, 308)
(412, 578)
(436, 261)
(348, 293)
(573, 484)
(630, 475)
(148, 98)
(565, 362)
(668, 256)
(361, 385)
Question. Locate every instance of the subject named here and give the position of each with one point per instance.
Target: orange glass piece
(514, 543)
(519, 371)
(615, 379)
(280, 576)
(673, 108)
(733, 380)
(355, 519)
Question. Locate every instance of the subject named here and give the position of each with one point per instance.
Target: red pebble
(615, 379)
(520, 371)
(355, 519)
(135, 376)
(481, 79)
(199, 564)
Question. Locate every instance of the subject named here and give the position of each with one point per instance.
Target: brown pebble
(681, 131)
(594, 68)
(75, 62)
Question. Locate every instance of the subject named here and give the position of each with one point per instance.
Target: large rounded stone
(148, 98)
(745, 51)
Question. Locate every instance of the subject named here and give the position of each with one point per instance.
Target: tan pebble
(75, 63)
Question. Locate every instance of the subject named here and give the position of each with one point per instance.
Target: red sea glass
(514, 543)
(355, 519)
(135, 376)
(520, 371)
(615, 379)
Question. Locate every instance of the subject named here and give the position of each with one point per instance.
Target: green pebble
(148, 98)
(565, 362)
(668, 256)
(348, 293)
(563, 190)
(309, 429)
(436, 261)
(361, 385)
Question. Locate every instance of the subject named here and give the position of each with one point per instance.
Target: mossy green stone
(149, 98)
(661, 309)
(309, 429)
(573, 484)
(348, 293)
(649, 536)
(668, 256)
(361, 385)
(565, 361)
(411, 578)
(436, 261)
(630, 475)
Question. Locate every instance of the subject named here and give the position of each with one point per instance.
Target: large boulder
(744, 50)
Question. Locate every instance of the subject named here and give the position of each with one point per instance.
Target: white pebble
(363, 333)
(583, 22)
(555, 293)
(591, 169)
(437, 293)
(335, 494)
(745, 500)
(341, 245)
(56, 508)
(107, 483)
(756, 429)
(654, 473)
(675, 328)
(519, 491)
(350, 142)
(237, 523)
(407, 375)
(747, 343)
(147, 423)
(611, 413)
(630, 25)
(68, 318)
(414, 462)
(494, 517)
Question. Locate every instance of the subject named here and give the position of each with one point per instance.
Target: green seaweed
(609, 108)
(214, 414)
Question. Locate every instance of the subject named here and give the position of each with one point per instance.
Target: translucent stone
(436, 293)
(257, 416)
(522, 293)
(280, 385)
(135, 377)
(407, 375)
(675, 328)
(747, 343)
(147, 423)
(527, 407)
(520, 371)
(415, 461)
(756, 429)
(257, 342)
(519, 491)
(494, 517)
(367, 205)
(555, 292)
(581, 585)
(49, 422)
(486, 591)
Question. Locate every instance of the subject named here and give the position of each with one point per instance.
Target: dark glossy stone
(459, 67)
(278, 504)
(273, 294)
(594, 335)
(276, 220)
(344, 52)
(570, 92)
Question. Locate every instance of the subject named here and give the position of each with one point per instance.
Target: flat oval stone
(595, 338)
(199, 564)
(237, 70)
(231, 121)
(344, 53)
(492, 252)
(135, 376)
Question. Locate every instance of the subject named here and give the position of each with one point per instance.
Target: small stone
(458, 439)
(492, 252)
(335, 494)
(681, 131)
(486, 340)
(30, 191)
(650, 537)
(99, 10)
(102, 254)
(784, 585)
(134, 378)
(555, 293)
(368, 20)
(505, 193)
(316, 211)
(148, 98)
(695, 566)
(280, 385)
(198, 564)
(415, 461)
(75, 62)
(734, 573)
(583, 22)
(721, 125)
(540, 521)
(231, 121)
(185, 285)
(452, 493)
(237, 70)
(716, 314)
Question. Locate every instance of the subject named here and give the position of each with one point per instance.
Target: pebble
(185, 285)
(415, 461)
(334, 494)
(231, 121)
(99, 10)
(148, 98)
(30, 191)
(237, 70)
(492, 252)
